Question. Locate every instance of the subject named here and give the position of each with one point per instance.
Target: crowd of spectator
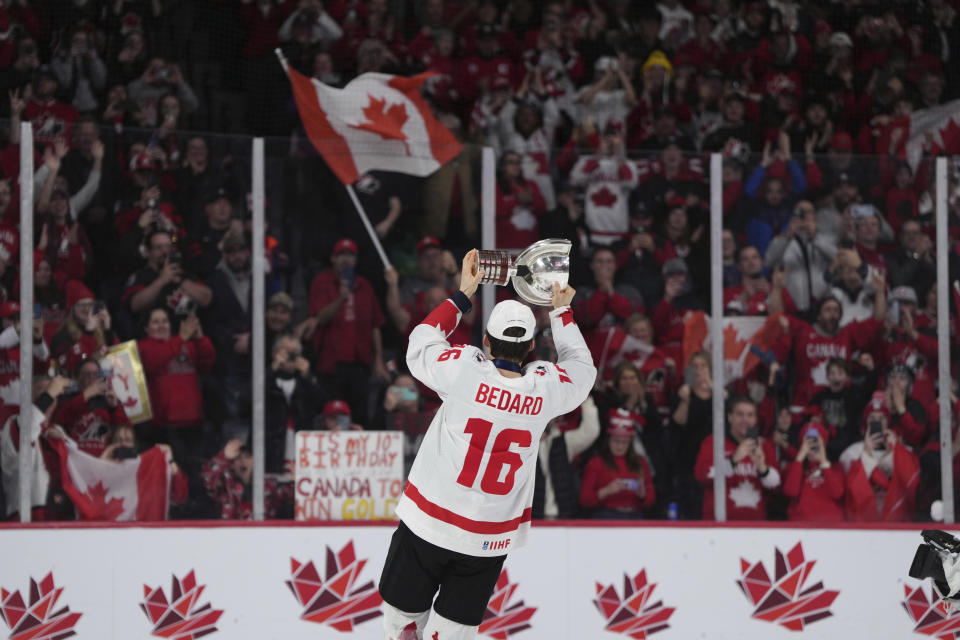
(601, 114)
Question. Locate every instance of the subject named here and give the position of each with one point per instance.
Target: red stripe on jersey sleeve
(444, 317)
(473, 526)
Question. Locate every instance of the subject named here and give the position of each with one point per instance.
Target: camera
(175, 257)
(938, 548)
(876, 426)
(753, 433)
(124, 453)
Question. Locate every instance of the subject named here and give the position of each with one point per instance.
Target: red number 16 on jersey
(500, 457)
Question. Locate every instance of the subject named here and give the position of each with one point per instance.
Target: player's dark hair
(512, 351)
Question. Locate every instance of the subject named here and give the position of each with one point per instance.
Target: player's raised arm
(430, 357)
(574, 362)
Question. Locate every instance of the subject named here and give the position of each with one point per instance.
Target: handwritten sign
(348, 475)
(122, 364)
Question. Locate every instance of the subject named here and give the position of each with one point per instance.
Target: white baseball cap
(511, 313)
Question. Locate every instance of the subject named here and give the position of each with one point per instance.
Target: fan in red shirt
(617, 482)
(348, 320)
(882, 474)
(51, 118)
(171, 365)
(90, 416)
(476, 73)
(756, 295)
(813, 346)
(813, 484)
(519, 205)
(85, 333)
(749, 476)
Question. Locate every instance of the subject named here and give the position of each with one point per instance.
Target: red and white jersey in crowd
(812, 350)
(608, 181)
(535, 149)
(470, 489)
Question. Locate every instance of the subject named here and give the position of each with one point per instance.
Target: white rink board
(244, 569)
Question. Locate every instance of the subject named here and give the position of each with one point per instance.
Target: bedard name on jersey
(471, 486)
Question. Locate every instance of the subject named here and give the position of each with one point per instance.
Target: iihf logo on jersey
(634, 616)
(496, 545)
(784, 600)
(41, 620)
(335, 600)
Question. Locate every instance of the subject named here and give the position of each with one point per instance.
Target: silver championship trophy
(533, 271)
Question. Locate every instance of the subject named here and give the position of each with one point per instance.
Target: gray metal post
(488, 222)
(26, 320)
(943, 340)
(257, 313)
(716, 332)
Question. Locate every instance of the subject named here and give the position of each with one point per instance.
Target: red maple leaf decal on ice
(181, 618)
(502, 619)
(733, 346)
(108, 509)
(39, 620)
(604, 197)
(781, 600)
(386, 122)
(633, 616)
(931, 615)
(334, 600)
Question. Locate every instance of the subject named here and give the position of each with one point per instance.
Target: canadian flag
(941, 124)
(377, 121)
(135, 489)
(745, 340)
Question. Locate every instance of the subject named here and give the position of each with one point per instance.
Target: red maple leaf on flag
(604, 197)
(386, 122)
(108, 509)
(948, 140)
(733, 346)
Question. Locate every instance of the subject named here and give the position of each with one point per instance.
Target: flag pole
(369, 227)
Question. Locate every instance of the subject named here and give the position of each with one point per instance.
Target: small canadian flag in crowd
(135, 489)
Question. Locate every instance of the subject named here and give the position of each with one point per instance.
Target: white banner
(300, 582)
(348, 475)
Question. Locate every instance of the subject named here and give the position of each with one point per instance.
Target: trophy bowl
(533, 272)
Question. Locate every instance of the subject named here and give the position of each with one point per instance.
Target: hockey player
(468, 498)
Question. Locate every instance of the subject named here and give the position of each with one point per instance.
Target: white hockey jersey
(608, 181)
(470, 489)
